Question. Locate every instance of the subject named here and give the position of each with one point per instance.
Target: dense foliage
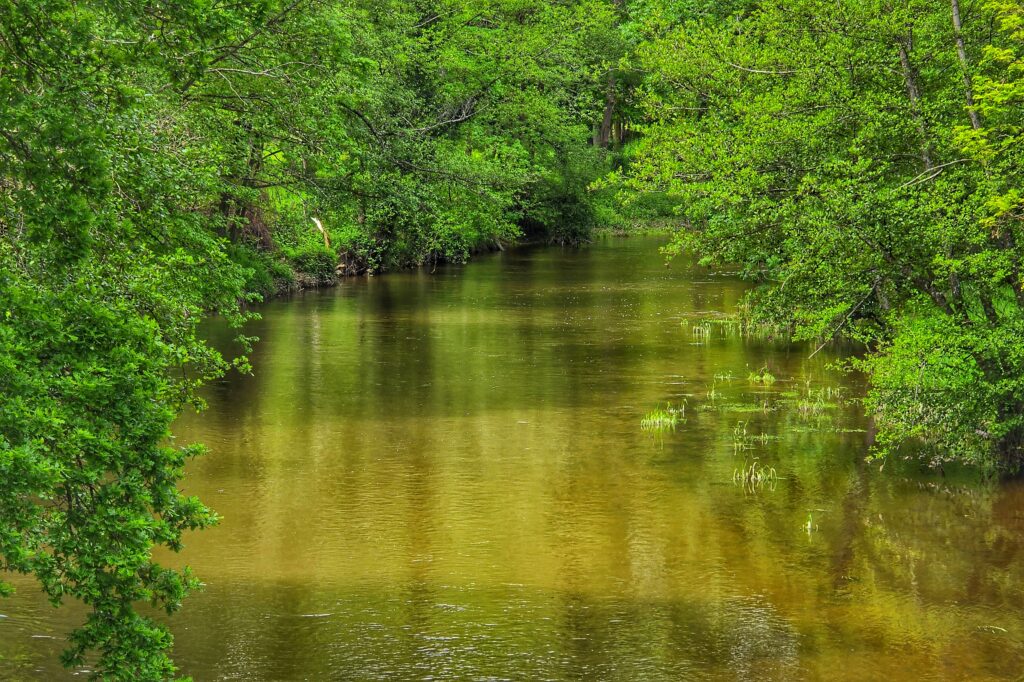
(411, 132)
(862, 161)
(159, 160)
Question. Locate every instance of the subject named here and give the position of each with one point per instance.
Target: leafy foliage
(865, 171)
(106, 266)
(158, 161)
(415, 132)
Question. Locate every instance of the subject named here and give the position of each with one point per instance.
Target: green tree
(157, 159)
(854, 160)
(414, 132)
(107, 264)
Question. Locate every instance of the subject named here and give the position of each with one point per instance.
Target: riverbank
(280, 271)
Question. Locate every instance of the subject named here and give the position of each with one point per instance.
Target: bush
(314, 264)
(266, 275)
(955, 390)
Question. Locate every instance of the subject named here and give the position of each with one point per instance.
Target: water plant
(664, 418)
(762, 376)
(701, 331)
(739, 437)
(761, 406)
(741, 440)
(754, 474)
(761, 438)
(814, 402)
(738, 327)
(713, 392)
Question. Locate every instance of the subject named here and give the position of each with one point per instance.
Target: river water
(445, 476)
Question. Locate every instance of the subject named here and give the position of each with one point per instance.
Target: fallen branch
(320, 226)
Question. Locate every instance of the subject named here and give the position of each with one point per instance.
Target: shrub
(314, 264)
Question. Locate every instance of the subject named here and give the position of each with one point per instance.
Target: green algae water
(444, 476)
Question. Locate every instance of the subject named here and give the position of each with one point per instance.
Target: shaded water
(443, 476)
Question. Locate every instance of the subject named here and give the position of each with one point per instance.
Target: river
(447, 476)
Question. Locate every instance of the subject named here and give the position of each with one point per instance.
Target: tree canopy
(861, 162)
(155, 161)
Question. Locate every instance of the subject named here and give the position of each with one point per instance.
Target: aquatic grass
(741, 327)
(701, 331)
(664, 418)
(814, 403)
(810, 408)
(741, 440)
(755, 475)
(761, 438)
(748, 408)
(713, 392)
(832, 392)
(739, 437)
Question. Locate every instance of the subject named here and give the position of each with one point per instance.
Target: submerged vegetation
(165, 162)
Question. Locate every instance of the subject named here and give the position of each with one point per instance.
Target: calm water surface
(444, 476)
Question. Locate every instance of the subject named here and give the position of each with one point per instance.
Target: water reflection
(444, 476)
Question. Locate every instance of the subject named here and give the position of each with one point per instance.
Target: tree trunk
(989, 308)
(910, 80)
(914, 94)
(605, 133)
(227, 206)
(961, 54)
(253, 211)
